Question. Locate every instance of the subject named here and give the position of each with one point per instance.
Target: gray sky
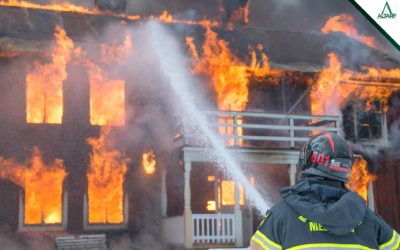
(311, 15)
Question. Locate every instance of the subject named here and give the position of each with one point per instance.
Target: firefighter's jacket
(316, 215)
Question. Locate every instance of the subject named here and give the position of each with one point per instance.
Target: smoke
(28, 240)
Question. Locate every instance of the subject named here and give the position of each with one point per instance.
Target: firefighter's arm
(268, 234)
(388, 238)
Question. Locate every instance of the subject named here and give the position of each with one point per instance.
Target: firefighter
(320, 212)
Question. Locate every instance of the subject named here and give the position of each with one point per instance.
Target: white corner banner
(384, 15)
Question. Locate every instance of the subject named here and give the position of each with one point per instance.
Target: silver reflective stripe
(393, 243)
(264, 242)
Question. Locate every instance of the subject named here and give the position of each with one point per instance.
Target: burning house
(93, 142)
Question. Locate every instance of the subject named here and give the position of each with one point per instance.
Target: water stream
(176, 72)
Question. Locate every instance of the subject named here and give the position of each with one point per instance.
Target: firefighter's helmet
(327, 155)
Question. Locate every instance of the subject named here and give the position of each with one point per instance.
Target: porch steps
(87, 242)
(229, 248)
(180, 247)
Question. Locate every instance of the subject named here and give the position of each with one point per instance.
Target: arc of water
(172, 64)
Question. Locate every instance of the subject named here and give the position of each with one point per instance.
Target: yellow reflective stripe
(259, 233)
(393, 243)
(330, 245)
(397, 244)
(259, 242)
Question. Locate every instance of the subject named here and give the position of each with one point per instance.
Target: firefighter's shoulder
(275, 213)
(270, 231)
(387, 237)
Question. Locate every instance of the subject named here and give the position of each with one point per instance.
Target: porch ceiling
(246, 155)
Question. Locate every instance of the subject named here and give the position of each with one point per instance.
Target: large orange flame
(107, 95)
(44, 91)
(107, 98)
(360, 178)
(345, 23)
(229, 76)
(42, 205)
(149, 162)
(336, 85)
(105, 180)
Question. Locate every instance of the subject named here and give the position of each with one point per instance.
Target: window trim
(105, 226)
(22, 227)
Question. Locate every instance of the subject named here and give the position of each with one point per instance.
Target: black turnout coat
(320, 214)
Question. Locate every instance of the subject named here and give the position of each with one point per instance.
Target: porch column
(371, 197)
(385, 133)
(187, 213)
(238, 217)
(164, 198)
(292, 174)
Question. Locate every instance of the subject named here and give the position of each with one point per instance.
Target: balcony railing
(264, 130)
(213, 228)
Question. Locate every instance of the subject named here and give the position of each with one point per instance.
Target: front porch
(253, 138)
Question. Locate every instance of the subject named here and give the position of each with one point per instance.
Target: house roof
(28, 30)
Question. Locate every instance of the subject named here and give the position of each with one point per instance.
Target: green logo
(387, 12)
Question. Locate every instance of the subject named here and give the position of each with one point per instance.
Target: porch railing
(213, 228)
(258, 129)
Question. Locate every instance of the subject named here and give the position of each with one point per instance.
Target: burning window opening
(106, 176)
(107, 95)
(227, 190)
(149, 162)
(360, 178)
(225, 194)
(107, 99)
(44, 90)
(41, 206)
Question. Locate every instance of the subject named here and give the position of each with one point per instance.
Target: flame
(116, 53)
(105, 180)
(228, 75)
(228, 193)
(44, 94)
(335, 86)
(63, 7)
(42, 205)
(149, 162)
(360, 178)
(211, 206)
(241, 14)
(72, 8)
(107, 96)
(166, 17)
(345, 23)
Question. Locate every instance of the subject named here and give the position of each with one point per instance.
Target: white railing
(213, 228)
(258, 129)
